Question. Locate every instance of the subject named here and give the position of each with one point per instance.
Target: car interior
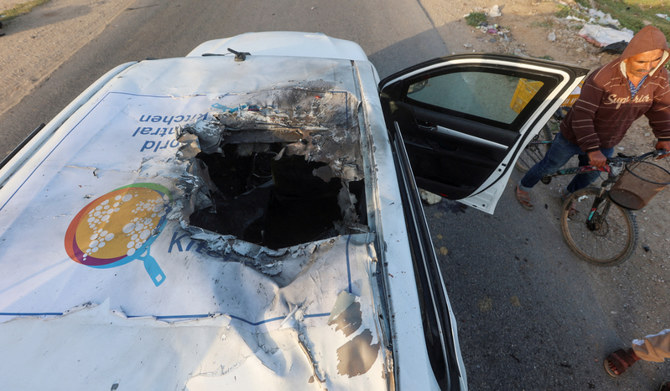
(459, 126)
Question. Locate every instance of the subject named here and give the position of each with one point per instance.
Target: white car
(247, 217)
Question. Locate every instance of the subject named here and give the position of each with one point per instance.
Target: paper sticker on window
(525, 91)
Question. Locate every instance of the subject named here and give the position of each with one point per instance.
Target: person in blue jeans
(560, 152)
(612, 97)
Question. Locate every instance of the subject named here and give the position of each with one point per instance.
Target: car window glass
(493, 96)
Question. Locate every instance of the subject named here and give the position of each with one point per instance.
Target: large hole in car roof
(277, 168)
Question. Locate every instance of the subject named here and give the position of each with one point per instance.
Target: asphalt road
(531, 316)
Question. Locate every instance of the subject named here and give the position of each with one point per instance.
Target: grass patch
(564, 11)
(648, 3)
(547, 23)
(20, 9)
(475, 18)
(635, 14)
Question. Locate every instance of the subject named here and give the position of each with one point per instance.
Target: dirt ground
(37, 43)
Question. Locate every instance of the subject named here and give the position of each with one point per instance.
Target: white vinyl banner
(101, 287)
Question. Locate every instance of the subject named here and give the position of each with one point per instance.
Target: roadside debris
(586, 33)
(495, 29)
(615, 48)
(601, 29)
(602, 36)
(603, 19)
(478, 19)
(430, 198)
(494, 12)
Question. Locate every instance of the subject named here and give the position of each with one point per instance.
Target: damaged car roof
(155, 268)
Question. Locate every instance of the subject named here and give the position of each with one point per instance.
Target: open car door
(465, 119)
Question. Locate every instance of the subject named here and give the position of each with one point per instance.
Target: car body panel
(283, 43)
(404, 301)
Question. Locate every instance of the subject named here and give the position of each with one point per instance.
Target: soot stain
(357, 356)
(348, 320)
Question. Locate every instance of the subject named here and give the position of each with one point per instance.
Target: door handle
(427, 127)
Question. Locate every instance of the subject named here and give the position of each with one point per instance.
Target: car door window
(493, 96)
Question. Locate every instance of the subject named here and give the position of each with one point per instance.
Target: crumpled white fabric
(602, 36)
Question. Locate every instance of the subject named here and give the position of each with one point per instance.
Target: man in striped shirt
(612, 97)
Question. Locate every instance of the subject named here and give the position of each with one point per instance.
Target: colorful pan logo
(119, 227)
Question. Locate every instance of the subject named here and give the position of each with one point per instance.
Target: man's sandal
(524, 198)
(665, 386)
(619, 361)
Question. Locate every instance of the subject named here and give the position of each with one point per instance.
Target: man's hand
(663, 145)
(597, 159)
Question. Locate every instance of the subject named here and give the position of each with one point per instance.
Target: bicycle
(597, 223)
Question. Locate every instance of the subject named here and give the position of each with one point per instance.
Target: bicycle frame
(574, 171)
(592, 222)
(613, 168)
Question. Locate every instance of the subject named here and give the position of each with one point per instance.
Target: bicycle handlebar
(621, 158)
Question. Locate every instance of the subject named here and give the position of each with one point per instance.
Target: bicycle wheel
(535, 150)
(610, 239)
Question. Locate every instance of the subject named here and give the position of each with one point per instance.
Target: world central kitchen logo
(120, 227)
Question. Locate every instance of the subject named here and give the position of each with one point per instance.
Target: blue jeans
(559, 153)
